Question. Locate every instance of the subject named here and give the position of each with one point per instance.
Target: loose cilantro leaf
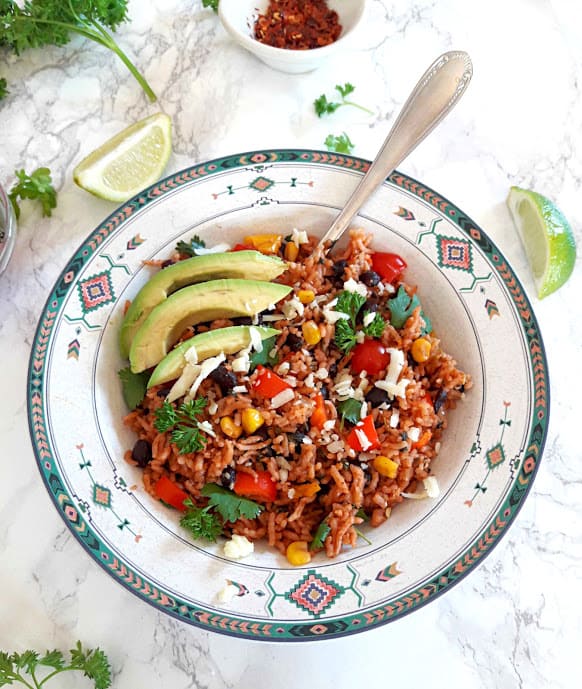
(345, 330)
(212, 4)
(320, 535)
(191, 248)
(229, 505)
(350, 410)
(183, 422)
(376, 327)
(401, 308)
(339, 144)
(264, 357)
(323, 106)
(37, 23)
(93, 663)
(37, 186)
(134, 386)
(3, 88)
(201, 522)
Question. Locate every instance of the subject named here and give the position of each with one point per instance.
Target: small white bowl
(238, 18)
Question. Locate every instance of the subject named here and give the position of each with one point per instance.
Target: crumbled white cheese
(216, 249)
(291, 493)
(352, 285)
(307, 440)
(328, 425)
(309, 381)
(415, 496)
(239, 388)
(227, 593)
(238, 547)
(368, 318)
(363, 439)
(431, 486)
(291, 380)
(332, 317)
(212, 408)
(242, 363)
(283, 475)
(335, 447)
(414, 433)
(206, 426)
(395, 418)
(364, 410)
(283, 368)
(180, 387)
(256, 339)
(360, 336)
(299, 237)
(272, 317)
(390, 383)
(321, 373)
(191, 355)
(293, 308)
(282, 398)
(363, 466)
(255, 319)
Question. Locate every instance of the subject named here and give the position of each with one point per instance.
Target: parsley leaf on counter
(350, 410)
(212, 4)
(92, 662)
(201, 522)
(3, 88)
(230, 506)
(339, 144)
(51, 22)
(37, 186)
(325, 107)
(401, 308)
(320, 535)
(264, 356)
(190, 248)
(183, 422)
(134, 386)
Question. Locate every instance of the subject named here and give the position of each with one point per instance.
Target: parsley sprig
(339, 143)
(182, 421)
(51, 22)
(223, 506)
(323, 106)
(38, 186)
(345, 329)
(191, 248)
(376, 327)
(93, 663)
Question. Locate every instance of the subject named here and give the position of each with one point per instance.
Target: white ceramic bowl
(238, 18)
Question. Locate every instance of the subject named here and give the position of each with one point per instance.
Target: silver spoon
(433, 97)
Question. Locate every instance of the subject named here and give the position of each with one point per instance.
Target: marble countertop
(516, 620)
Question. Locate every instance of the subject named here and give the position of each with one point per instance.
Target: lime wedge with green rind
(129, 162)
(546, 236)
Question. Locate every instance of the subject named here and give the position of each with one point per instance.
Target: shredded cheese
(238, 547)
(282, 398)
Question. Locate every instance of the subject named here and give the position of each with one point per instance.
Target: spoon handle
(433, 97)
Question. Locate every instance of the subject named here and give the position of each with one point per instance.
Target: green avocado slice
(246, 265)
(226, 340)
(198, 304)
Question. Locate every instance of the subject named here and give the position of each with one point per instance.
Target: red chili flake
(298, 24)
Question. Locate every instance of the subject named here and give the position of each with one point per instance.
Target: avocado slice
(246, 265)
(226, 340)
(197, 304)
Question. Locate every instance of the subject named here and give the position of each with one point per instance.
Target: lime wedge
(129, 162)
(546, 236)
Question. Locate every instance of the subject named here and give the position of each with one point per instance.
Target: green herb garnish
(401, 308)
(51, 22)
(183, 422)
(350, 410)
(345, 329)
(3, 88)
(320, 535)
(230, 505)
(191, 248)
(362, 515)
(340, 143)
(376, 327)
(37, 186)
(212, 4)
(361, 535)
(92, 663)
(201, 522)
(134, 386)
(264, 357)
(325, 107)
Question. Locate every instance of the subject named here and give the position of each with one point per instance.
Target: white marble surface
(514, 622)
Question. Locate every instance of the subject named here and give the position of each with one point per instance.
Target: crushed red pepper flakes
(298, 24)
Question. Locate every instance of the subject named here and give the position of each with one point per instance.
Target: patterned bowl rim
(442, 581)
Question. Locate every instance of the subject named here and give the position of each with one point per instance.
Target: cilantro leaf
(350, 410)
(339, 144)
(320, 535)
(212, 4)
(37, 186)
(264, 357)
(323, 106)
(191, 248)
(230, 506)
(201, 522)
(3, 88)
(183, 422)
(345, 90)
(134, 385)
(401, 308)
(376, 327)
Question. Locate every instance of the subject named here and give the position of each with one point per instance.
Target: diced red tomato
(268, 383)
(319, 416)
(242, 247)
(170, 493)
(363, 436)
(259, 487)
(371, 356)
(388, 266)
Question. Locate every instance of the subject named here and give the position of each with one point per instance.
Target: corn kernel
(251, 419)
(420, 350)
(386, 467)
(307, 490)
(311, 333)
(229, 427)
(306, 296)
(298, 553)
(291, 251)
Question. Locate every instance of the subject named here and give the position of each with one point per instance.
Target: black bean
(227, 477)
(225, 379)
(297, 437)
(142, 453)
(268, 451)
(338, 270)
(163, 392)
(440, 400)
(371, 305)
(294, 342)
(370, 278)
(376, 397)
(461, 388)
(324, 390)
(367, 476)
(332, 371)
